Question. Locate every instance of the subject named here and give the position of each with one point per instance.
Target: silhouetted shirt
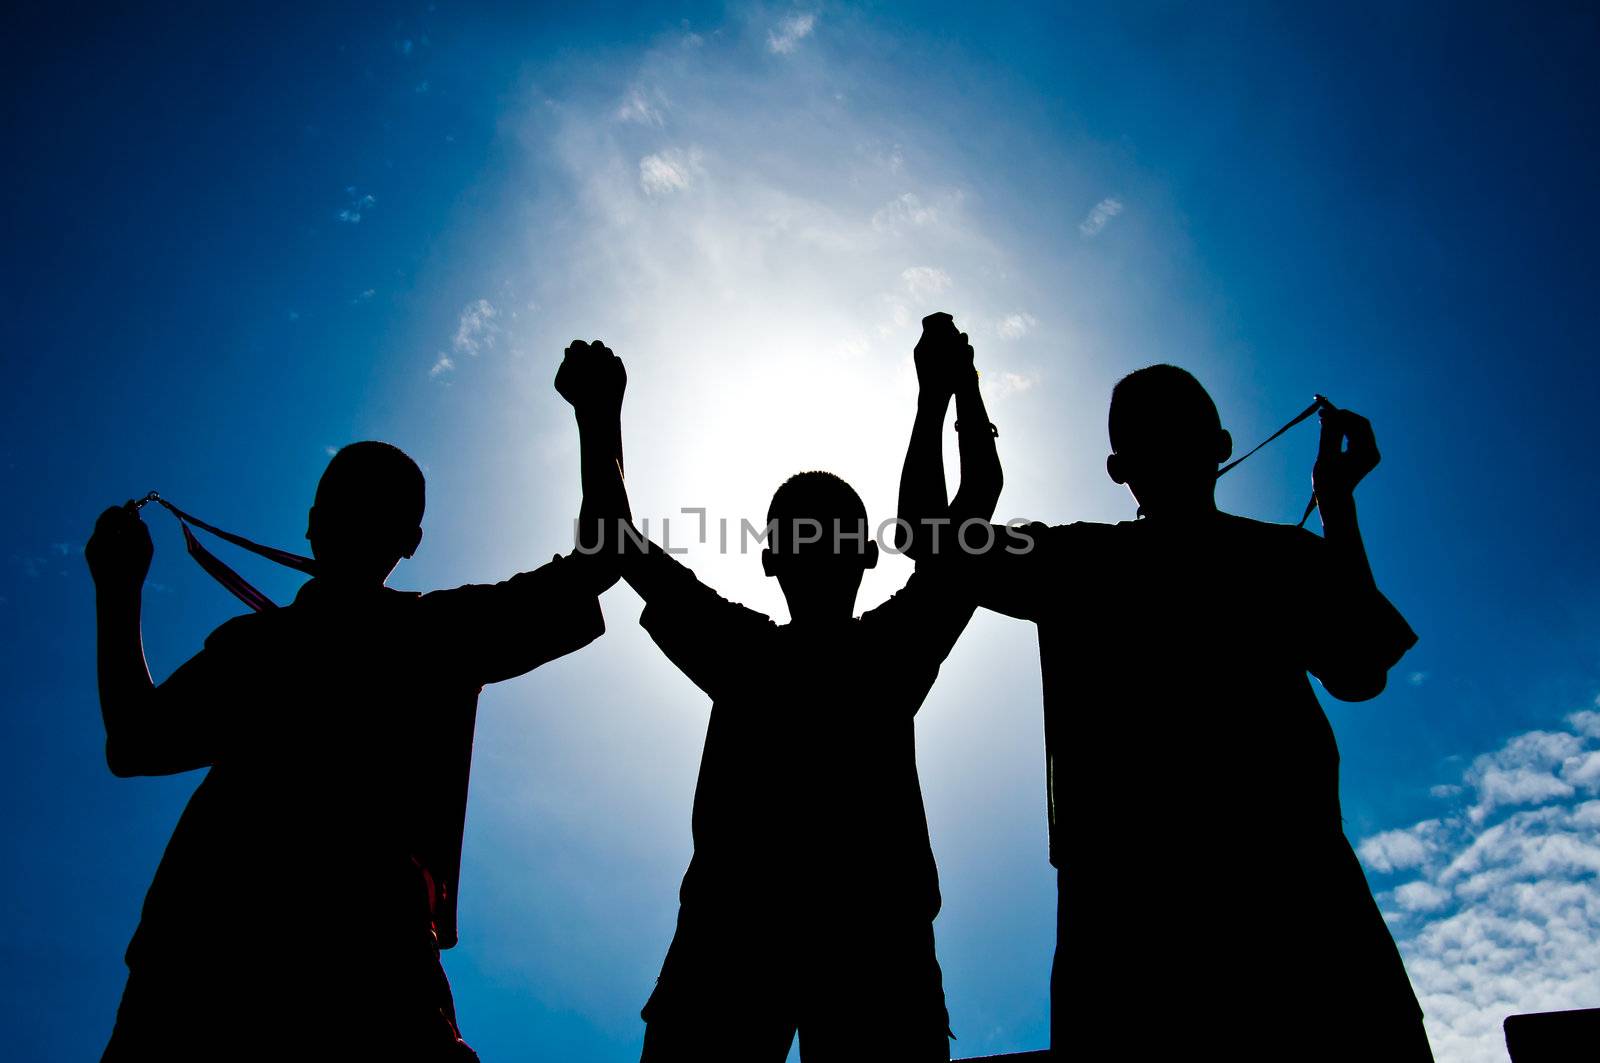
(1193, 776)
(808, 802)
(338, 731)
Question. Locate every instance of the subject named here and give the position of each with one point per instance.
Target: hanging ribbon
(235, 584)
(1317, 403)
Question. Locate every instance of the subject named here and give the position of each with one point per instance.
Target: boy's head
(819, 543)
(368, 512)
(1166, 439)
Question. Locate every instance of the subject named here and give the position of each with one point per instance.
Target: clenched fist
(1348, 451)
(120, 549)
(591, 378)
(943, 357)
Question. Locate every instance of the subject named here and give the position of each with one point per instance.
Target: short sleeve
(498, 631)
(185, 727)
(923, 620)
(1352, 630)
(1018, 573)
(708, 637)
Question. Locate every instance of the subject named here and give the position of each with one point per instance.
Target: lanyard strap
(234, 583)
(1318, 403)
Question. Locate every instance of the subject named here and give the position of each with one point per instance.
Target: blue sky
(237, 239)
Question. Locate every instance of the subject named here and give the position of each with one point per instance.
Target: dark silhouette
(1209, 901)
(1553, 1036)
(809, 903)
(300, 906)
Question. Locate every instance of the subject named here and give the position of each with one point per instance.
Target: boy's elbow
(123, 761)
(1356, 685)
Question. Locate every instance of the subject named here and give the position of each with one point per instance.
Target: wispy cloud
(925, 281)
(669, 171)
(1100, 216)
(1004, 384)
(906, 211)
(786, 36)
(359, 204)
(476, 328)
(1499, 908)
(1015, 326)
(638, 109)
(444, 365)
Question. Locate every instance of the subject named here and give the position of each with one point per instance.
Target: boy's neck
(1197, 506)
(822, 610)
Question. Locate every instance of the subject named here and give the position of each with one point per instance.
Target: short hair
(1160, 402)
(821, 497)
(378, 480)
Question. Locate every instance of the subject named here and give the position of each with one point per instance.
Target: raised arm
(944, 360)
(1363, 634)
(150, 730)
(593, 380)
(981, 478)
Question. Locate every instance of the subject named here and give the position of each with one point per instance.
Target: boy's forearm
(124, 678)
(651, 571)
(923, 494)
(1342, 532)
(605, 497)
(981, 476)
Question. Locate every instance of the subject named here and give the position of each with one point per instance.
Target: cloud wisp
(786, 36)
(360, 203)
(1099, 217)
(1496, 904)
(477, 330)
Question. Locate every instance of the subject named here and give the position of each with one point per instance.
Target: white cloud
(359, 204)
(1503, 916)
(444, 365)
(1421, 896)
(1005, 384)
(786, 36)
(1524, 771)
(1396, 850)
(1586, 723)
(904, 211)
(668, 171)
(1015, 326)
(1100, 216)
(476, 329)
(639, 110)
(924, 281)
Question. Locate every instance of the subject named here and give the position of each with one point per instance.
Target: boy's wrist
(601, 414)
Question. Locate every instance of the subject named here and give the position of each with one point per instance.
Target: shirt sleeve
(922, 621)
(700, 631)
(1352, 631)
(189, 711)
(502, 630)
(1016, 574)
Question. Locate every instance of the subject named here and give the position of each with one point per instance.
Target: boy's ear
(415, 540)
(1224, 445)
(769, 563)
(1114, 469)
(869, 556)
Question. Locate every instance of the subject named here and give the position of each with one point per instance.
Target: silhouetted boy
(300, 906)
(810, 900)
(1209, 902)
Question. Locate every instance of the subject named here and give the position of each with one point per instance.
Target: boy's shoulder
(1266, 533)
